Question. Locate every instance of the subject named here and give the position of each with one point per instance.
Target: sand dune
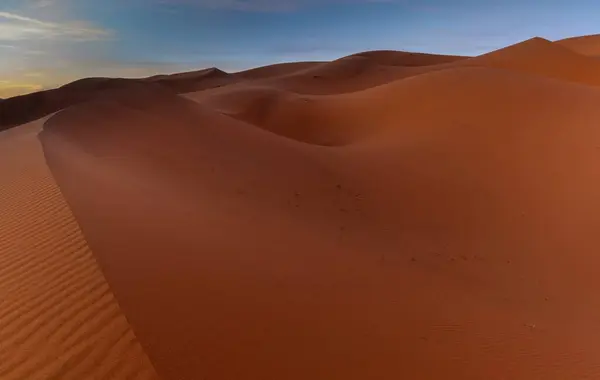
(276, 70)
(343, 119)
(543, 57)
(407, 59)
(385, 215)
(312, 119)
(455, 239)
(193, 81)
(58, 317)
(586, 45)
(348, 74)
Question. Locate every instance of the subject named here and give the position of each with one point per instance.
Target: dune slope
(58, 317)
(542, 57)
(586, 45)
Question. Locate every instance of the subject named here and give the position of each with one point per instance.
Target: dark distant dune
(99, 84)
(193, 81)
(25, 108)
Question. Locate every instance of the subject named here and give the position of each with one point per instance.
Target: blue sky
(44, 43)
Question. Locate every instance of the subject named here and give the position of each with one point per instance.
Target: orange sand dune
(348, 74)
(386, 215)
(543, 57)
(586, 45)
(193, 81)
(402, 58)
(452, 235)
(58, 317)
(347, 118)
(370, 69)
(276, 70)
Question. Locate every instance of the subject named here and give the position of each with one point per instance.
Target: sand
(58, 317)
(586, 45)
(381, 216)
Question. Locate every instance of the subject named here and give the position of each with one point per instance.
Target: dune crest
(407, 59)
(543, 57)
(586, 45)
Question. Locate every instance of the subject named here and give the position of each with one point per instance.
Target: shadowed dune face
(450, 232)
(312, 119)
(26, 108)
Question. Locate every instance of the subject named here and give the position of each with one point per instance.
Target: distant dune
(542, 57)
(401, 58)
(386, 215)
(25, 108)
(586, 45)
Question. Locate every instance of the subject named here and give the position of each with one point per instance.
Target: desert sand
(58, 317)
(386, 215)
(586, 45)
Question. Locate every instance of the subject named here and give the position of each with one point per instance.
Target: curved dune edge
(58, 317)
(459, 243)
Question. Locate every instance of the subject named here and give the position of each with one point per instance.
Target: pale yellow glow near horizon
(10, 88)
(36, 42)
(37, 79)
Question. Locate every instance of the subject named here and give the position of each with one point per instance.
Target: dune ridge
(542, 57)
(586, 45)
(58, 317)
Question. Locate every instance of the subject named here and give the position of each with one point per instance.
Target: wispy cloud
(42, 3)
(15, 27)
(265, 5)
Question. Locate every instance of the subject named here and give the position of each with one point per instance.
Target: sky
(46, 43)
